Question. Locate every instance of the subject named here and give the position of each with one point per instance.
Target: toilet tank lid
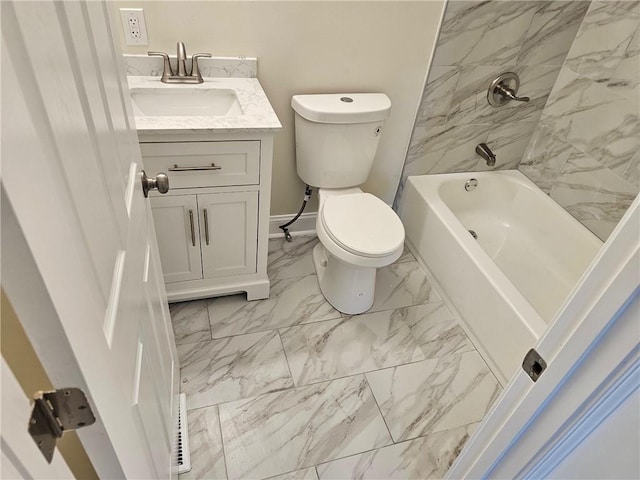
(342, 107)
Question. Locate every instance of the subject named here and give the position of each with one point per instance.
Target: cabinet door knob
(161, 183)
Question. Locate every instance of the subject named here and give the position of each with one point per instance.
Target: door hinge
(534, 364)
(56, 412)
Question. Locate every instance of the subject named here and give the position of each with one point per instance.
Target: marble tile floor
(289, 388)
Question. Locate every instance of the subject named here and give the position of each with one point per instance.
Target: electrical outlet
(134, 26)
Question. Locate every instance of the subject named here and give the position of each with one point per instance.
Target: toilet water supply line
(307, 197)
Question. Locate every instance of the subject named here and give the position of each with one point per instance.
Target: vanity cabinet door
(228, 233)
(176, 221)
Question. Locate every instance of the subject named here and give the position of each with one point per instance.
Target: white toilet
(337, 137)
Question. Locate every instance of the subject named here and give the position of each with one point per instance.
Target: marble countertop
(257, 113)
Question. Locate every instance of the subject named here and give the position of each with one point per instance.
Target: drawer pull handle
(176, 168)
(206, 226)
(193, 228)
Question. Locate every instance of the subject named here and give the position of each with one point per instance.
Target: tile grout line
(342, 316)
(359, 373)
(301, 386)
(322, 381)
(393, 442)
(288, 472)
(278, 328)
(352, 374)
(209, 318)
(187, 319)
(400, 442)
(294, 255)
(372, 450)
(338, 457)
(286, 360)
(364, 374)
(224, 453)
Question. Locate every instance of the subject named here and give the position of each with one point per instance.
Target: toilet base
(349, 288)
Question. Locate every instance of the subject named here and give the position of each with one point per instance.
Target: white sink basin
(180, 102)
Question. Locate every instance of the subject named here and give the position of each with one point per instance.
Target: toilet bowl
(358, 234)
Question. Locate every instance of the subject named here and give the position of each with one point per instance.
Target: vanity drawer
(204, 164)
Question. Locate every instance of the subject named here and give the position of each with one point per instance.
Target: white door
(71, 174)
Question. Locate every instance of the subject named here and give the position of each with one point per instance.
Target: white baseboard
(305, 225)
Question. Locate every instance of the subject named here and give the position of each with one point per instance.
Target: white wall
(312, 47)
(611, 451)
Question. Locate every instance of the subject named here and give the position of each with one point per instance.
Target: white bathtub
(507, 285)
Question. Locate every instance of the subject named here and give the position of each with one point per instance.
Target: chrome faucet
(182, 60)
(485, 152)
(168, 75)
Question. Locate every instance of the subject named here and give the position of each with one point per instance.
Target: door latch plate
(56, 412)
(533, 364)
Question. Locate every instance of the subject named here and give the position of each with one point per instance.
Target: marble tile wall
(585, 151)
(478, 41)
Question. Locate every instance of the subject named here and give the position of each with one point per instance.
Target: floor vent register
(184, 454)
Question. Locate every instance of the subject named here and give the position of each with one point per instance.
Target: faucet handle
(195, 71)
(166, 71)
(503, 89)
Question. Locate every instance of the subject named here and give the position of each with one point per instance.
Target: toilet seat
(362, 224)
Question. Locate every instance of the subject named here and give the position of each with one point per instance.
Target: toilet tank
(337, 136)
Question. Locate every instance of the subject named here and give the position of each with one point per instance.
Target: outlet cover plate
(134, 26)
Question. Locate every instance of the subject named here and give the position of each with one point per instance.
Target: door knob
(161, 183)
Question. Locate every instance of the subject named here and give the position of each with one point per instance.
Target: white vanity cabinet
(207, 235)
(212, 225)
